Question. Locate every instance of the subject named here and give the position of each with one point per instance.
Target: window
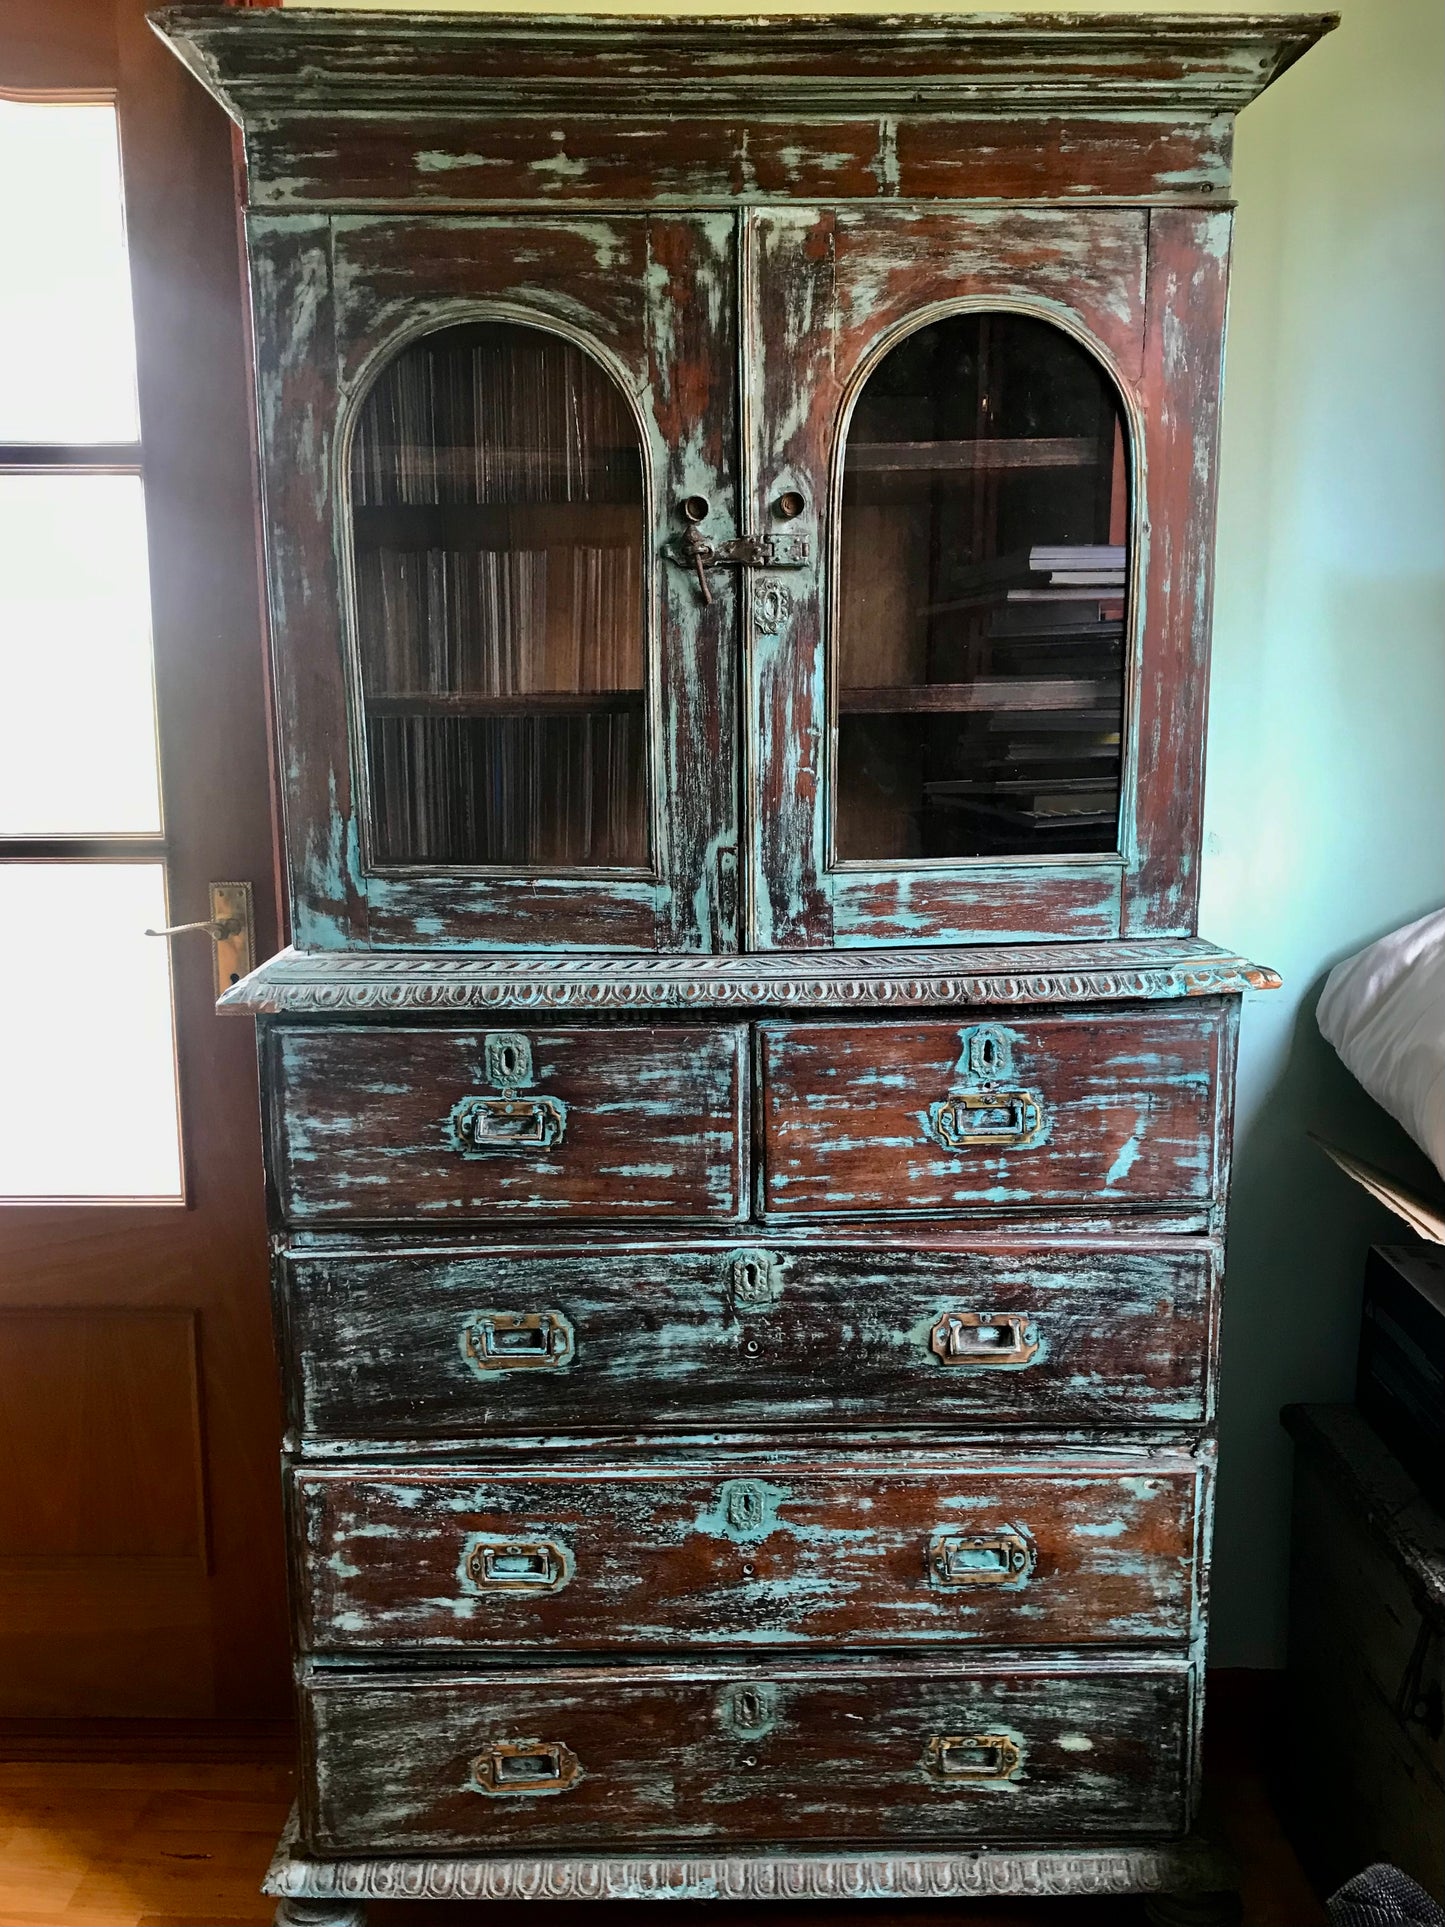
(88, 1058)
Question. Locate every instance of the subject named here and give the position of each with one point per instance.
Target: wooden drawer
(1032, 1547)
(908, 1748)
(437, 1124)
(1114, 1107)
(459, 1342)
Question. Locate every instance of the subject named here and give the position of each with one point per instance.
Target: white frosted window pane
(77, 706)
(87, 1049)
(67, 338)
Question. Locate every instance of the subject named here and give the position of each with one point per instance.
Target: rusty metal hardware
(746, 1508)
(521, 1768)
(994, 1338)
(1002, 1560)
(976, 1757)
(752, 1709)
(518, 1341)
(1001, 1120)
(980, 1111)
(516, 1565)
(231, 926)
(700, 553)
(789, 504)
(987, 1054)
(772, 606)
(482, 1126)
(507, 1055)
(755, 1278)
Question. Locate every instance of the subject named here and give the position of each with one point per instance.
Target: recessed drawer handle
(518, 1341)
(484, 1126)
(1007, 1338)
(517, 1769)
(517, 1565)
(1003, 1120)
(958, 1758)
(1001, 1560)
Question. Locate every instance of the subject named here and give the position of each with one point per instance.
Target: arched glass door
(499, 530)
(983, 583)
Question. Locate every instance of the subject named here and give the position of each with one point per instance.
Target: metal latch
(701, 553)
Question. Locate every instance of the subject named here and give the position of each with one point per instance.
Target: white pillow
(1384, 1012)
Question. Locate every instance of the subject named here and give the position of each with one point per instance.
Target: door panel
(649, 301)
(834, 290)
(141, 1565)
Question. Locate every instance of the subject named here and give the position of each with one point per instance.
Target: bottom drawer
(922, 1749)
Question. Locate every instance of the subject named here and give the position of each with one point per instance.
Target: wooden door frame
(204, 1635)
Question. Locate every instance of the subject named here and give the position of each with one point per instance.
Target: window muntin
(983, 589)
(497, 492)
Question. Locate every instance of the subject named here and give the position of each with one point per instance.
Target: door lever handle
(231, 926)
(216, 930)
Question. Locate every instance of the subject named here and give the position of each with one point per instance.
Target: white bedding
(1384, 1012)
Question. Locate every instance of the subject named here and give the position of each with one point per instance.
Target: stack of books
(1075, 573)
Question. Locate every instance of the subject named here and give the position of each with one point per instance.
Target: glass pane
(982, 599)
(89, 1075)
(65, 314)
(77, 706)
(497, 487)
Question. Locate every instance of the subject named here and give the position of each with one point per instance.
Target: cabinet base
(336, 1890)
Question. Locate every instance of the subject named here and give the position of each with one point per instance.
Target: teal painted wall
(1325, 806)
(1325, 811)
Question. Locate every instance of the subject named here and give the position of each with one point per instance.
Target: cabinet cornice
(296, 62)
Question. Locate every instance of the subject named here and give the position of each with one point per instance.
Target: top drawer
(1099, 1108)
(375, 1124)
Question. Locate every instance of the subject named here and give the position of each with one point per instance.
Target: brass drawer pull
(1001, 1120)
(514, 1769)
(1007, 1338)
(518, 1341)
(483, 1126)
(516, 1565)
(1002, 1560)
(959, 1759)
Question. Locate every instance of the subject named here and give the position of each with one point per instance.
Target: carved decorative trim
(1188, 1865)
(336, 982)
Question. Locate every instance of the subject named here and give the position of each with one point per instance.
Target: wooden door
(976, 713)
(506, 709)
(141, 1570)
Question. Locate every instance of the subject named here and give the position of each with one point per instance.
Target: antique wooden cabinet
(748, 1113)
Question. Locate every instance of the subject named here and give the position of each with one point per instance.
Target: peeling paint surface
(666, 1758)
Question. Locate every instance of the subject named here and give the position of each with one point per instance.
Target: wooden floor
(183, 1840)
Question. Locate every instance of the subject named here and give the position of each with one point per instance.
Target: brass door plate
(233, 918)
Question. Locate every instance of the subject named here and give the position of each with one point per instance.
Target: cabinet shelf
(539, 702)
(1085, 694)
(1040, 451)
(593, 524)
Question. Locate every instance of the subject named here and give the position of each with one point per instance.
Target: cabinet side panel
(296, 377)
(1184, 338)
